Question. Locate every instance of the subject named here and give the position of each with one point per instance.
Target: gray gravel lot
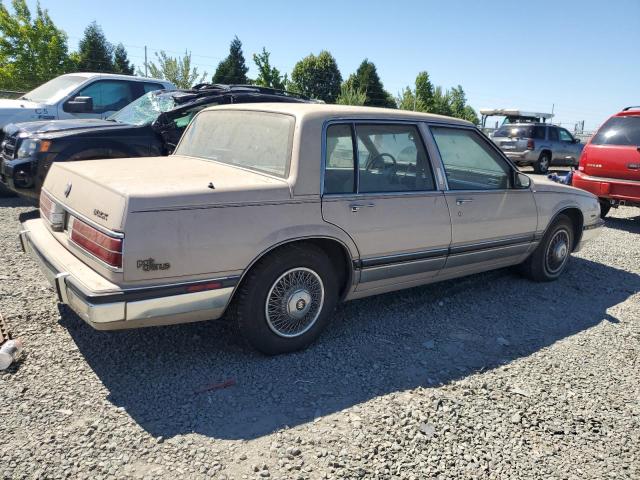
(490, 376)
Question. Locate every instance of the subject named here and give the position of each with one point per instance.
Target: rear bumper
(113, 308)
(521, 158)
(609, 188)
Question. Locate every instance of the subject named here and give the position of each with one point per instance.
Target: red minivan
(610, 162)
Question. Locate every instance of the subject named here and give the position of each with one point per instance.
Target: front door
(493, 223)
(570, 150)
(108, 97)
(379, 188)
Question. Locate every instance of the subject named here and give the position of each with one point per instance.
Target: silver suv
(538, 144)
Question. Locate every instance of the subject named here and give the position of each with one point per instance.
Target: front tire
(551, 257)
(542, 165)
(286, 299)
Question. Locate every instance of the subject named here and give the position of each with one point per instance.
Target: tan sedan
(277, 212)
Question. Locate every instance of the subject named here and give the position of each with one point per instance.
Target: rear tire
(542, 165)
(604, 208)
(287, 299)
(551, 257)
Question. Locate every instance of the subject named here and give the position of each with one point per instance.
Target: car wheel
(604, 208)
(286, 299)
(542, 165)
(551, 256)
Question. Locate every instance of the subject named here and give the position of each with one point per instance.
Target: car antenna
(211, 186)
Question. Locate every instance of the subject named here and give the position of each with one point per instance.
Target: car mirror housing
(522, 181)
(79, 105)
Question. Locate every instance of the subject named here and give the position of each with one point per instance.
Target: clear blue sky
(582, 56)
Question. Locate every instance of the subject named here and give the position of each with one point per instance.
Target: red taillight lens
(531, 145)
(106, 248)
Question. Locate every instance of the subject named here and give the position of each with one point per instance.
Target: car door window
(108, 95)
(553, 134)
(469, 162)
(392, 158)
(339, 173)
(565, 136)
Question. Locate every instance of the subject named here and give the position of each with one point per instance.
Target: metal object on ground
(10, 352)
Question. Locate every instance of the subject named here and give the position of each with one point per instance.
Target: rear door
(492, 222)
(380, 189)
(553, 139)
(614, 152)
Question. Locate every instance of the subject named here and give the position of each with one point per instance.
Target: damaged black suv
(150, 126)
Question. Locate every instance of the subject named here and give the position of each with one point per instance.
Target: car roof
(118, 76)
(318, 110)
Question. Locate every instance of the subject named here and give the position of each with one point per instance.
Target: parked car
(149, 126)
(276, 212)
(538, 144)
(76, 95)
(610, 162)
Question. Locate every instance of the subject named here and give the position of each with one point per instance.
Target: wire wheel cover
(294, 302)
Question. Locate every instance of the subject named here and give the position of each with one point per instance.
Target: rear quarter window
(619, 131)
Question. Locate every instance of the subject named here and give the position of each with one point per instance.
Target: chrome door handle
(356, 207)
(462, 201)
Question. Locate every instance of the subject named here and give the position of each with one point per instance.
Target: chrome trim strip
(487, 254)
(598, 224)
(403, 257)
(471, 247)
(403, 269)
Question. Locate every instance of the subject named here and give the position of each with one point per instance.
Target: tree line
(33, 50)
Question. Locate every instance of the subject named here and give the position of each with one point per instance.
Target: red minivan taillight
(102, 246)
(531, 145)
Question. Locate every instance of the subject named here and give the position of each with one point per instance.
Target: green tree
(268, 76)
(408, 100)
(350, 96)
(317, 77)
(176, 70)
(441, 102)
(121, 62)
(233, 68)
(459, 107)
(32, 50)
(95, 53)
(424, 91)
(367, 79)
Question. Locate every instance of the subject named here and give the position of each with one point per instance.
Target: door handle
(462, 201)
(356, 207)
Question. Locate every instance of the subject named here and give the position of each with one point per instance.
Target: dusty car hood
(118, 186)
(543, 184)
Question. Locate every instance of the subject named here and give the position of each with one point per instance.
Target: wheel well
(336, 252)
(546, 151)
(575, 215)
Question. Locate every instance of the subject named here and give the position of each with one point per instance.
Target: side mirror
(576, 140)
(79, 105)
(522, 181)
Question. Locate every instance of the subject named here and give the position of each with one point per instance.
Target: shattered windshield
(144, 110)
(54, 89)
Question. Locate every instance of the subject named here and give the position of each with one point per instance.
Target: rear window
(255, 140)
(619, 131)
(518, 131)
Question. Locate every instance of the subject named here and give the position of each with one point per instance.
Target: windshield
(520, 131)
(256, 140)
(144, 110)
(54, 89)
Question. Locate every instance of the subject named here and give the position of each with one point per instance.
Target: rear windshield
(520, 131)
(256, 140)
(619, 131)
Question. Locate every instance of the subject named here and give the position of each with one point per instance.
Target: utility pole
(553, 106)
(145, 61)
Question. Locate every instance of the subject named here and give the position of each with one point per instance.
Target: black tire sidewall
(562, 223)
(251, 309)
(538, 166)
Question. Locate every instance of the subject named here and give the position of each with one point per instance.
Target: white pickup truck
(78, 95)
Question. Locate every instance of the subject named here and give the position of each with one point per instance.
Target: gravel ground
(490, 376)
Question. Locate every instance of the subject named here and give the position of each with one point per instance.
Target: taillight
(52, 212)
(531, 145)
(102, 246)
(583, 160)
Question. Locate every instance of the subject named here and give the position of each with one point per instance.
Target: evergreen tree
(317, 77)
(350, 96)
(366, 79)
(424, 92)
(121, 61)
(95, 53)
(32, 50)
(233, 68)
(176, 70)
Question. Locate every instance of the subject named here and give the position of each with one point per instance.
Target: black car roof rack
(200, 87)
(629, 108)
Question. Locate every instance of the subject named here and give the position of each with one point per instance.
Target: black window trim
(492, 146)
(354, 141)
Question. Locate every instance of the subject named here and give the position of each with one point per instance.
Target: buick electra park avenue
(274, 213)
